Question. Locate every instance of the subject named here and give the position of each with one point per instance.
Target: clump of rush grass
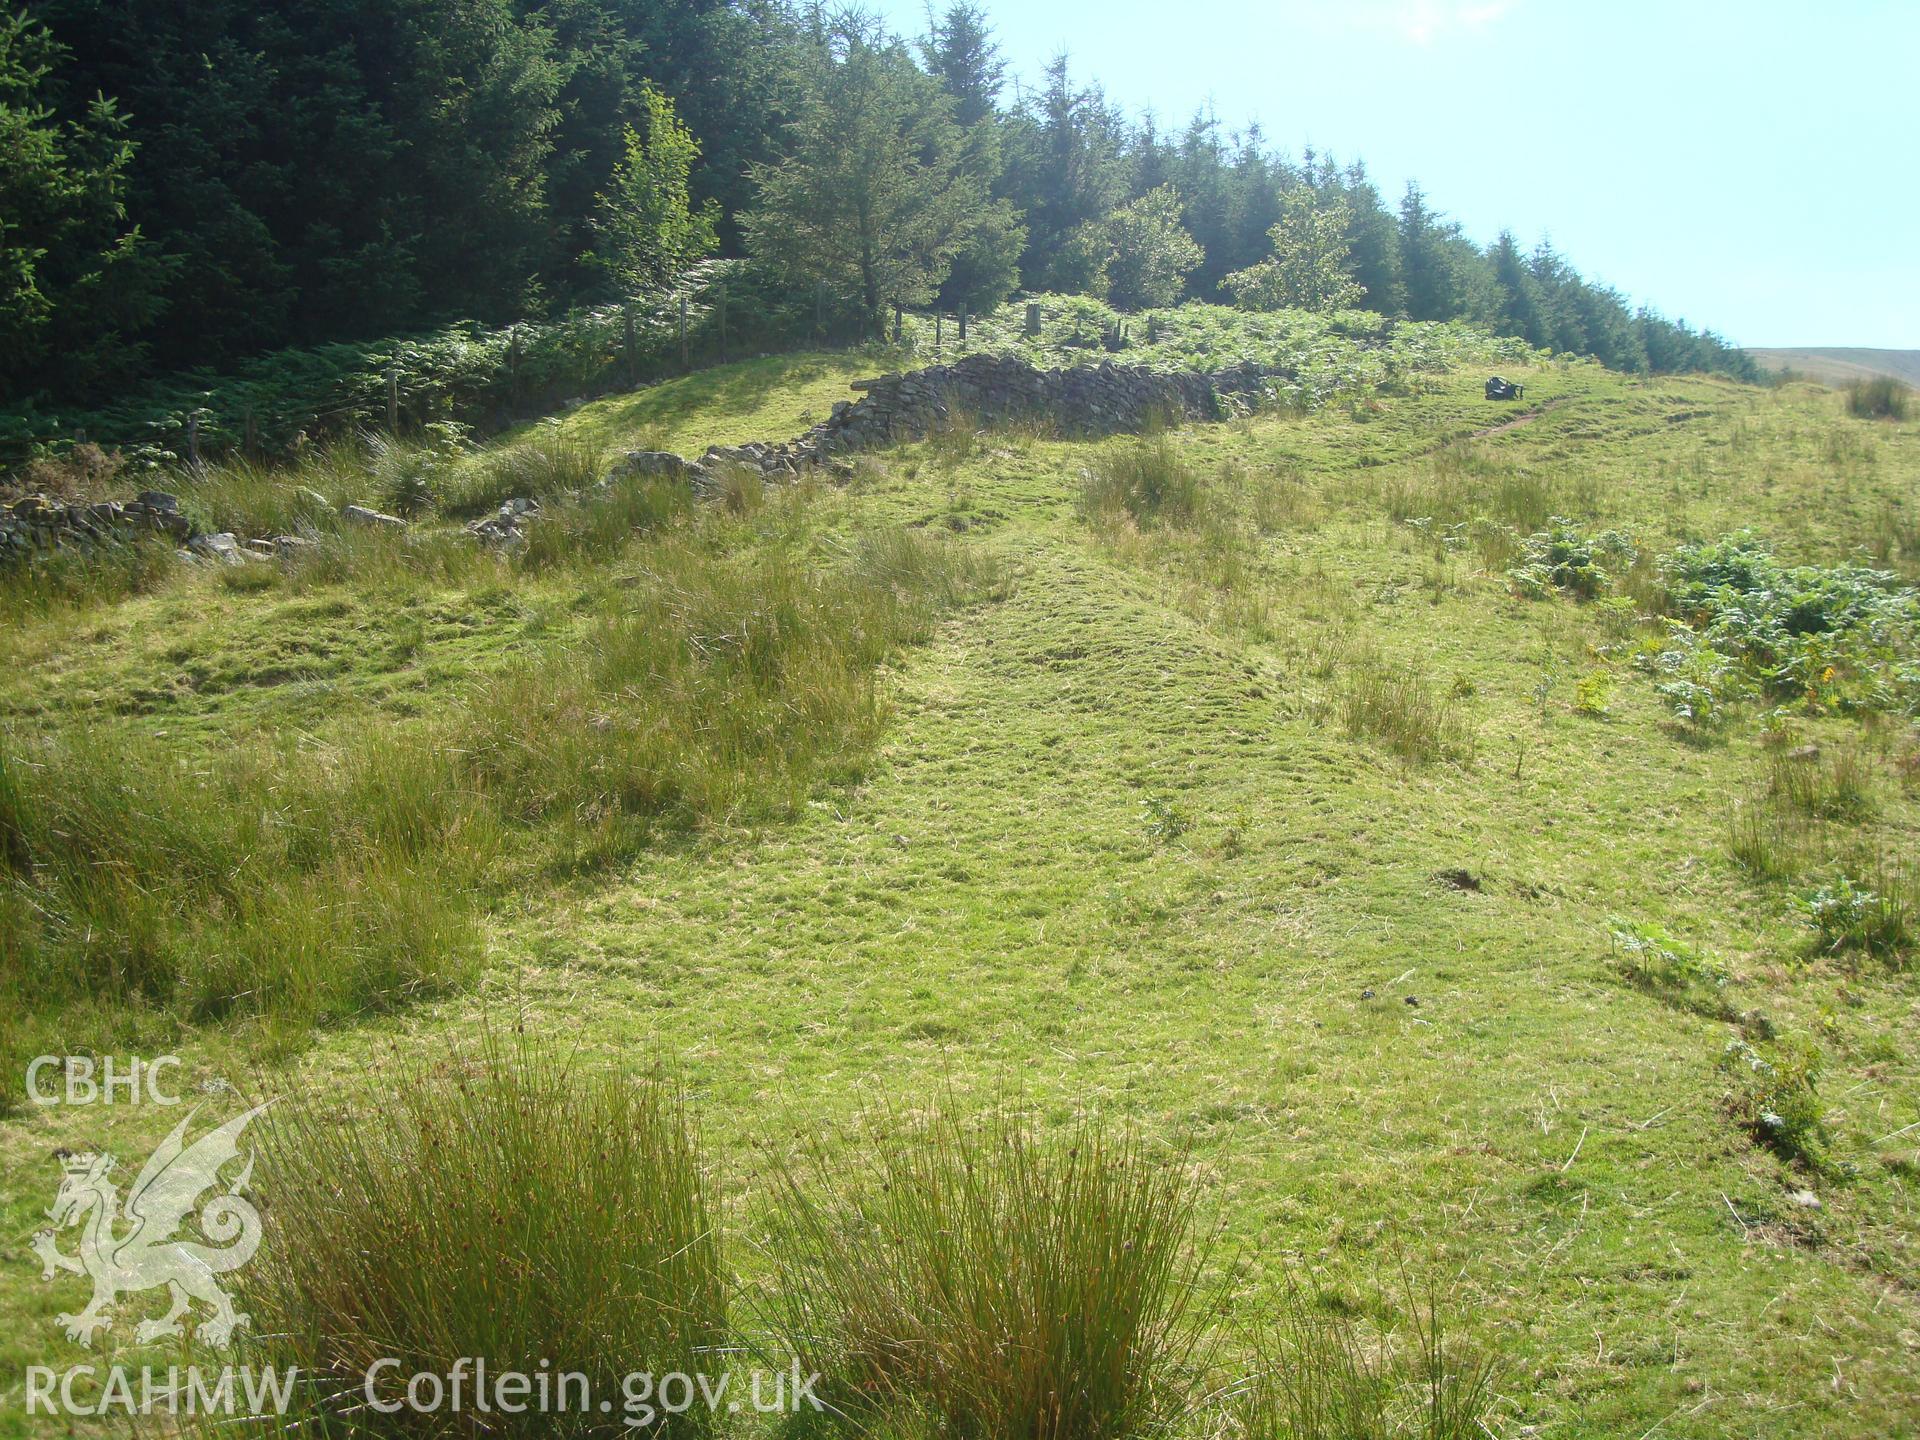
(260, 882)
(1147, 479)
(739, 490)
(1399, 707)
(1877, 915)
(984, 1282)
(56, 581)
(1465, 482)
(1840, 786)
(726, 685)
(497, 1206)
(601, 523)
(303, 497)
(1881, 398)
(1283, 501)
(546, 463)
(1318, 1376)
(954, 439)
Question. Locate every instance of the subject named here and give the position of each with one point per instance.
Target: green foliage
(1564, 557)
(1849, 916)
(1067, 170)
(1592, 693)
(875, 196)
(991, 1281)
(1147, 479)
(77, 279)
(1318, 1376)
(496, 1207)
(1882, 398)
(348, 170)
(1310, 267)
(1148, 254)
(1838, 637)
(1772, 1096)
(464, 373)
(1651, 959)
(1166, 820)
(647, 227)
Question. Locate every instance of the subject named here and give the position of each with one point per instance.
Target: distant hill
(1835, 365)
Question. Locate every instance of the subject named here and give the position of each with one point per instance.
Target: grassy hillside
(1839, 364)
(1297, 793)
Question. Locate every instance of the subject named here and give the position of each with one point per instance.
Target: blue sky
(1745, 165)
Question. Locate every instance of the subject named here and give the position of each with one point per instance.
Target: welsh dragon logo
(122, 1260)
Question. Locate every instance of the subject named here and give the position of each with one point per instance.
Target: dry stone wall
(1104, 399)
(1092, 400)
(35, 522)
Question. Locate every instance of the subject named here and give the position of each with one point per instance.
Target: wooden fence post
(193, 438)
(896, 323)
(513, 368)
(683, 332)
(393, 399)
(963, 324)
(633, 348)
(1033, 319)
(939, 325)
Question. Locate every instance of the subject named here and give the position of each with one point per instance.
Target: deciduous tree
(1310, 267)
(646, 224)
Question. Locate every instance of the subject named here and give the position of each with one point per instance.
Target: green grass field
(1288, 832)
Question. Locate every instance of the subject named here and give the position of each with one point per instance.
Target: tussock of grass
(1401, 708)
(548, 462)
(496, 1206)
(1282, 502)
(251, 498)
(724, 686)
(264, 883)
(57, 581)
(995, 1284)
(600, 524)
(1318, 1376)
(1147, 479)
(1882, 398)
(1841, 785)
(1876, 915)
(1466, 480)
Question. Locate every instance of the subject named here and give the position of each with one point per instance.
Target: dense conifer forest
(186, 186)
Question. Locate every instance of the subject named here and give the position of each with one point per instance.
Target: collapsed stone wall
(1092, 400)
(1104, 399)
(35, 522)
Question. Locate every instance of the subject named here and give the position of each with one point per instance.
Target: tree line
(185, 185)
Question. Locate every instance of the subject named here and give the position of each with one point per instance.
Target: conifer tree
(875, 197)
(77, 281)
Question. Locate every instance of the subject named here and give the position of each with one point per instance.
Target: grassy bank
(1440, 887)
